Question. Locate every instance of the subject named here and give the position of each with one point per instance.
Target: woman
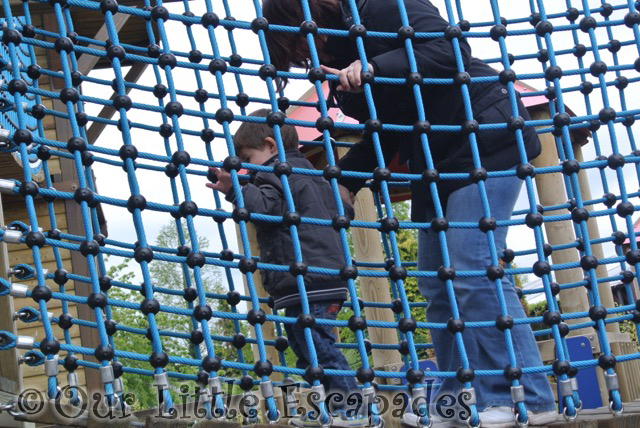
(451, 152)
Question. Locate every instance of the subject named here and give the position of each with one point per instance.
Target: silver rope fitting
(51, 366)
(4, 136)
(118, 387)
(574, 383)
(318, 394)
(517, 394)
(7, 186)
(611, 380)
(266, 389)
(12, 236)
(72, 379)
(469, 396)
(215, 386)
(18, 290)
(161, 381)
(106, 374)
(566, 388)
(24, 342)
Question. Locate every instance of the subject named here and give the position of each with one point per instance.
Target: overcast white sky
(155, 186)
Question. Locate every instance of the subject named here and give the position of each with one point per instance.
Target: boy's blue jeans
(329, 357)
(477, 300)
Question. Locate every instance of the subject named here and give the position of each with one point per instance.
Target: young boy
(321, 247)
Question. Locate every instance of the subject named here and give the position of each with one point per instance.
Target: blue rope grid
(23, 112)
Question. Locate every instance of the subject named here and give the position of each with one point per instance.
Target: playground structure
(51, 204)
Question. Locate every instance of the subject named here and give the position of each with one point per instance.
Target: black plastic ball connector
(111, 327)
(543, 28)
(504, 322)
(256, 316)
(128, 151)
(281, 343)
(160, 91)
(149, 306)
(560, 367)
(512, 373)
(275, 118)
(541, 268)
(622, 82)
(465, 375)
(136, 202)
(306, 320)
(50, 346)
(70, 362)
(16, 86)
(455, 325)
(487, 223)
(28, 188)
(35, 239)
(183, 250)
(195, 260)
(552, 73)
(55, 234)
(446, 273)
(477, 175)
(210, 19)
(588, 23)
(143, 254)
(348, 272)
(631, 19)
(217, 65)
(597, 313)
(551, 318)
(398, 273)
(632, 257)
(495, 272)
(354, 32)
(158, 360)
(607, 361)
(298, 268)
(597, 68)
(627, 276)
(235, 60)
(389, 224)
(238, 340)
(508, 256)
(109, 6)
(190, 294)
(325, 124)
(174, 108)
(406, 325)
(579, 215)
(11, 36)
(242, 99)
(263, 368)
(357, 323)
(498, 31)
(396, 306)
(195, 56)
(211, 364)
(365, 375)
(41, 292)
(316, 74)
(65, 321)
(573, 14)
(625, 209)
(202, 312)
(588, 262)
(314, 373)
(104, 353)
(403, 347)
(105, 283)
(226, 255)
(60, 276)
(97, 300)
(224, 115)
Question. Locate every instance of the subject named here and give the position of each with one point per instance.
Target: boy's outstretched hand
(224, 181)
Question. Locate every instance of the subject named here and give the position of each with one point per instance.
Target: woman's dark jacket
(395, 104)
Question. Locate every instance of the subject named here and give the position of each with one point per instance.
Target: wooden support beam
(268, 328)
(551, 191)
(87, 62)
(10, 370)
(107, 112)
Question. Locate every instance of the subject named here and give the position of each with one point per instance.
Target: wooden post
(367, 247)
(551, 191)
(268, 328)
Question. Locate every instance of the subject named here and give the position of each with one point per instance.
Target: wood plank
(107, 112)
(87, 62)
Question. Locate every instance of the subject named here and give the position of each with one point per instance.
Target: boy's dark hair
(251, 135)
(287, 49)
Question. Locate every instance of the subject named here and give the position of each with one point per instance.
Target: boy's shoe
(497, 417)
(543, 418)
(411, 420)
(307, 421)
(342, 420)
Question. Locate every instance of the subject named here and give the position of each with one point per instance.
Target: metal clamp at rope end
(519, 423)
(381, 423)
(616, 413)
(413, 420)
(470, 424)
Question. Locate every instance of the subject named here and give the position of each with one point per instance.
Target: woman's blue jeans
(477, 300)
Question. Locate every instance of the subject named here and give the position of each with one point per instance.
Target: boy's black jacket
(320, 245)
(396, 104)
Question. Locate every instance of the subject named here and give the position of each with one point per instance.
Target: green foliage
(169, 276)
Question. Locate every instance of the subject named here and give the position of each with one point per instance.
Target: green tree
(171, 276)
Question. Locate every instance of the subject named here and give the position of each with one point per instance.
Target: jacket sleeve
(265, 198)
(434, 57)
(361, 157)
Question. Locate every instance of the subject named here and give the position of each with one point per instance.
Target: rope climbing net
(608, 34)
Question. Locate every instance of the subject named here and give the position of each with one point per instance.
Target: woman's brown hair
(287, 49)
